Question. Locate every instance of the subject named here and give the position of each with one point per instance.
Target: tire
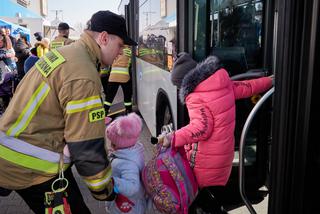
(164, 116)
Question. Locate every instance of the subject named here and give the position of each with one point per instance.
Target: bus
(252, 38)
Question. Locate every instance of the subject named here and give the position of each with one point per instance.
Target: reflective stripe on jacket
(56, 44)
(29, 156)
(60, 41)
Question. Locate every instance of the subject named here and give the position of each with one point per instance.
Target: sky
(79, 11)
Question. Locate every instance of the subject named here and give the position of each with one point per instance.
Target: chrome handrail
(249, 75)
(242, 146)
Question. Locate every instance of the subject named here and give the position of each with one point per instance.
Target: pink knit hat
(124, 131)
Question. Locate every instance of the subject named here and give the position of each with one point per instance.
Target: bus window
(200, 29)
(157, 30)
(236, 34)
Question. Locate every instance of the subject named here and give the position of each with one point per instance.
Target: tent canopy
(15, 29)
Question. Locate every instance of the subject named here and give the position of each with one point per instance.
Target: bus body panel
(151, 80)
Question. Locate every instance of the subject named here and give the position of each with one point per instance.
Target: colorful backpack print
(169, 180)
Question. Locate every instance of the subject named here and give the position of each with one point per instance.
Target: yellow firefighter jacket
(60, 41)
(57, 103)
(120, 67)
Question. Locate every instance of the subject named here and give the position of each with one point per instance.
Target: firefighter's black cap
(63, 26)
(112, 23)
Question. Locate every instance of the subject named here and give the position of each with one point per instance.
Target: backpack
(169, 180)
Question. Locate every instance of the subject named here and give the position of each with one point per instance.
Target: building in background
(28, 14)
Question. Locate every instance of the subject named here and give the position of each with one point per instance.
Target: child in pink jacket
(210, 95)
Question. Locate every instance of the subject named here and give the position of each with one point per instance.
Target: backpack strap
(168, 161)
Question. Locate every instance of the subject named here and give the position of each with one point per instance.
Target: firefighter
(63, 38)
(120, 76)
(59, 103)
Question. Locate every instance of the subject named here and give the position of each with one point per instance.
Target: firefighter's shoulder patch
(49, 62)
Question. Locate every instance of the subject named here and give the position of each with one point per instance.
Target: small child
(126, 154)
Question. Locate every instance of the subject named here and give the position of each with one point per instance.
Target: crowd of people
(8, 66)
(17, 56)
(56, 118)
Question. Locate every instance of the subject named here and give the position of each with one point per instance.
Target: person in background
(6, 74)
(9, 57)
(42, 47)
(127, 161)
(63, 38)
(58, 103)
(38, 36)
(12, 39)
(208, 139)
(22, 50)
(120, 75)
(31, 60)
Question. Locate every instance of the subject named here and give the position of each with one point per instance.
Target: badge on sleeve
(97, 115)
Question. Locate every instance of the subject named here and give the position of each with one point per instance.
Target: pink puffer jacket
(209, 137)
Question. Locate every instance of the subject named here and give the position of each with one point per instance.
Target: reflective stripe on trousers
(107, 103)
(29, 156)
(128, 104)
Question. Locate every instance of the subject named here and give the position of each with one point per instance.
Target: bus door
(295, 159)
(235, 31)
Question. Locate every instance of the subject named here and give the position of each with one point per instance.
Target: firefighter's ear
(104, 38)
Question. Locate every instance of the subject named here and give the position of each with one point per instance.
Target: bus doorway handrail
(253, 73)
(242, 145)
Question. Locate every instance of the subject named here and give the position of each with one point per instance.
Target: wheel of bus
(164, 116)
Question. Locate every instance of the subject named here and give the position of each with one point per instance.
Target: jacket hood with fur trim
(200, 73)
